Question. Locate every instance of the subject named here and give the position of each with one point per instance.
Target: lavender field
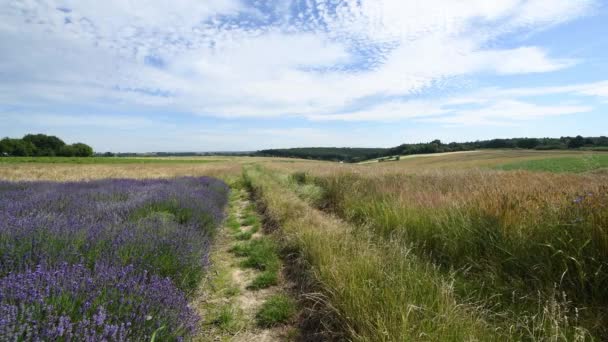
(111, 259)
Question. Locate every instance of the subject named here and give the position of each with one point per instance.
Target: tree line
(344, 154)
(562, 143)
(352, 155)
(41, 145)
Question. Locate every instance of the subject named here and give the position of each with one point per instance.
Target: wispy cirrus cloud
(486, 106)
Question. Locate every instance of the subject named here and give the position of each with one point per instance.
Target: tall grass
(522, 243)
(377, 292)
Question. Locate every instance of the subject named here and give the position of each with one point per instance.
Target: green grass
(250, 220)
(228, 318)
(100, 160)
(259, 254)
(276, 310)
(243, 236)
(582, 163)
(231, 291)
(264, 280)
(233, 223)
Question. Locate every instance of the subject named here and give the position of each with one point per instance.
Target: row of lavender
(104, 260)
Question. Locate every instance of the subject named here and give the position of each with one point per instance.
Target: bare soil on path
(225, 301)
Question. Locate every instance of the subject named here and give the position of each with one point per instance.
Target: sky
(242, 75)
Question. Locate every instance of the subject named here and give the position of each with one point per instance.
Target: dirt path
(228, 301)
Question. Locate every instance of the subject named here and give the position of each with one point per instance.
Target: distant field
(451, 243)
(481, 159)
(102, 160)
(511, 159)
(558, 161)
(411, 156)
(76, 169)
(582, 163)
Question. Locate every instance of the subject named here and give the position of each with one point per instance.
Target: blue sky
(215, 75)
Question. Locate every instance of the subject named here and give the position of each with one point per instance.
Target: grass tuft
(250, 219)
(264, 280)
(228, 318)
(260, 254)
(243, 236)
(278, 309)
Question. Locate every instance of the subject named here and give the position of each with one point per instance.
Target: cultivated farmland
(490, 245)
(104, 260)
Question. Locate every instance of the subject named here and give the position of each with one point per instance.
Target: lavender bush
(112, 259)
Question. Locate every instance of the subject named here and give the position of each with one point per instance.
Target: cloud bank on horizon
(314, 71)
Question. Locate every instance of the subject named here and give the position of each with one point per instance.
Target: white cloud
(388, 112)
(71, 121)
(228, 58)
(484, 107)
(597, 89)
(524, 60)
(507, 112)
(551, 11)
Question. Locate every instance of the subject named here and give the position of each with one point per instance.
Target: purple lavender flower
(43, 305)
(93, 260)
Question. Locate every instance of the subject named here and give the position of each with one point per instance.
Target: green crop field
(584, 162)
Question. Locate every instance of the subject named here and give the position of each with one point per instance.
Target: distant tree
(5, 147)
(435, 146)
(498, 143)
(82, 150)
(602, 141)
(577, 142)
(528, 143)
(16, 147)
(66, 151)
(108, 154)
(46, 145)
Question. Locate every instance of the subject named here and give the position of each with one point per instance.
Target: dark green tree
(528, 143)
(46, 145)
(602, 141)
(66, 151)
(577, 142)
(82, 150)
(16, 147)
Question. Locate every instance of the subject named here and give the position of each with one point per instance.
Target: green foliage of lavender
(105, 260)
